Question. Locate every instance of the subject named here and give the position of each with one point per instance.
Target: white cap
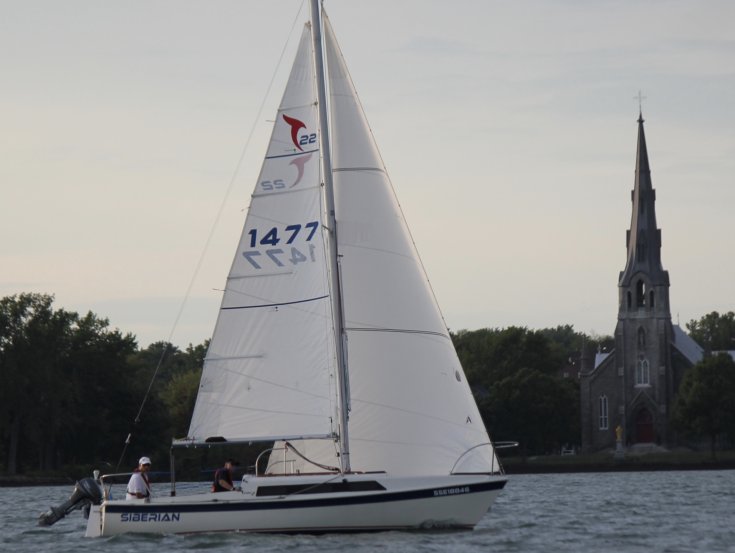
(144, 461)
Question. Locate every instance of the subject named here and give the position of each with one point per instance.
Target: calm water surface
(620, 512)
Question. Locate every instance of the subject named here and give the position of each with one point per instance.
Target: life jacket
(147, 484)
(215, 484)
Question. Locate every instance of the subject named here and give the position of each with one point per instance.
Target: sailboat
(330, 344)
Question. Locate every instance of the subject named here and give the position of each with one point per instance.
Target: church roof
(686, 345)
(600, 357)
(644, 238)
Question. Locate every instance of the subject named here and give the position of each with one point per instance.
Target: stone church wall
(603, 380)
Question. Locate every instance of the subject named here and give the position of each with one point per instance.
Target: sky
(508, 129)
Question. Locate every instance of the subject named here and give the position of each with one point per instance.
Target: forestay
(412, 410)
(267, 371)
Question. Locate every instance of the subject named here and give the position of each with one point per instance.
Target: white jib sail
(412, 410)
(268, 371)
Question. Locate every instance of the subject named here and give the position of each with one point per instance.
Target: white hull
(457, 501)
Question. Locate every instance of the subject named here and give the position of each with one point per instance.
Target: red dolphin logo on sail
(295, 126)
(299, 162)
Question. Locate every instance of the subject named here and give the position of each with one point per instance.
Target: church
(633, 385)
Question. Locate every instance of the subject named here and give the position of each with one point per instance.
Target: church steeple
(643, 238)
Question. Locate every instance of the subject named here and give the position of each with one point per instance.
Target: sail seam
(310, 312)
(270, 220)
(345, 244)
(187, 442)
(291, 155)
(276, 193)
(266, 381)
(403, 443)
(417, 414)
(296, 107)
(402, 330)
(256, 356)
(276, 304)
(267, 410)
(237, 277)
(359, 169)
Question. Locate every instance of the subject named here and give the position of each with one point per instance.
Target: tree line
(705, 404)
(71, 388)
(512, 375)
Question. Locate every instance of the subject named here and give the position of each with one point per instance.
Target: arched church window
(640, 293)
(630, 299)
(652, 303)
(641, 338)
(642, 373)
(602, 409)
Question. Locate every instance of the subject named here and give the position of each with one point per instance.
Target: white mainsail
(268, 369)
(412, 409)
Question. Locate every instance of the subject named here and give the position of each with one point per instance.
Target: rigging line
(216, 221)
(315, 485)
(325, 467)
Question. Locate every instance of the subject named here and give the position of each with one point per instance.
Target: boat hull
(457, 501)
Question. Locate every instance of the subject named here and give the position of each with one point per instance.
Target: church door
(644, 427)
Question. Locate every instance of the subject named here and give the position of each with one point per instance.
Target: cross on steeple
(640, 99)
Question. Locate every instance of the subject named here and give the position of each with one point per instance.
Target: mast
(335, 288)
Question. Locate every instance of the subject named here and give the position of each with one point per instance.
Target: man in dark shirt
(223, 477)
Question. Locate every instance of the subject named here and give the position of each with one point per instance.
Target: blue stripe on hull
(301, 504)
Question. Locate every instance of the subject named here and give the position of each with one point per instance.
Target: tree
(705, 404)
(719, 329)
(66, 383)
(72, 387)
(538, 411)
(564, 339)
(107, 391)
(490, 355)
(181, 392)
(32, 360)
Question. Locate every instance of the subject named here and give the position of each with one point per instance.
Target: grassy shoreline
(604, 462)
(543, 464)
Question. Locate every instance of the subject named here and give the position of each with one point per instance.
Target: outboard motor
(87, 492)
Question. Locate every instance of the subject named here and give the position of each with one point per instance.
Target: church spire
(644, 238)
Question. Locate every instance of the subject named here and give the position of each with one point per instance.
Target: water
(610, 512)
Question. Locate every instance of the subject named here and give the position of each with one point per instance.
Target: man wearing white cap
(139, 487)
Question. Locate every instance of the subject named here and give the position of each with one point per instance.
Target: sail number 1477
(271, 238)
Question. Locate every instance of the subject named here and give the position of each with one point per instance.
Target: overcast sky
(508, 130)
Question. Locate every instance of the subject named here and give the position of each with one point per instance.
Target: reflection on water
(606, 512)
